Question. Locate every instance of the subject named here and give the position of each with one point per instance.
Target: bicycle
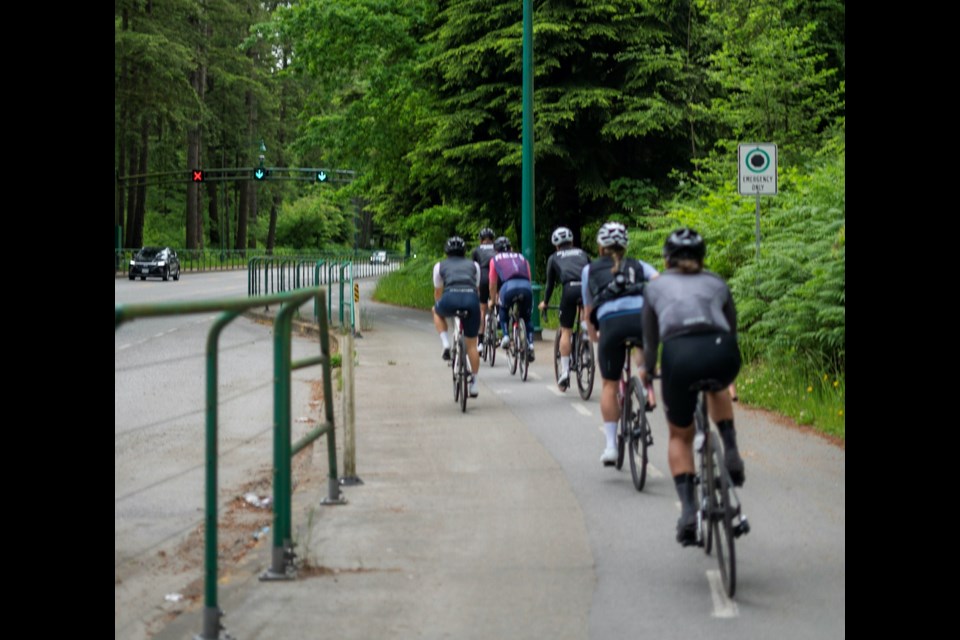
(517, 347)
(458, 362)
(490, 334)
(634, 429)
(582, 361)
(719, 515)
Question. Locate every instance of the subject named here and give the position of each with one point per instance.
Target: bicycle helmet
(684, 243)
(486, 233)
(455, 246)
(560, 236)
(502, 244)
(612, 234)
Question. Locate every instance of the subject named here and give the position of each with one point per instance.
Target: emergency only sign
(757, 169)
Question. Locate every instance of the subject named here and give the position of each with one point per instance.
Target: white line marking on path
(554, 390)
(723, 607)
(533, 376)
(654, 472)
(581, 409)
(123, 346)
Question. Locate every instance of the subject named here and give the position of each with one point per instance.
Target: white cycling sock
(564, 364)
(445, 339)
(610, 428)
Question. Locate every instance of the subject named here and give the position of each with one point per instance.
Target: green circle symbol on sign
(758, 161)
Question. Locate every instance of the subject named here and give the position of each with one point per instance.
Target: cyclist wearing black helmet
(510, 280)
(455, 282)
(564, 268)
(482, 255)
(691, 311)
(612, 289)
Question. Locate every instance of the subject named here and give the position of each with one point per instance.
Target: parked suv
(156, 262)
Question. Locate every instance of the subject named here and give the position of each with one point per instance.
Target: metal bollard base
(212, 626)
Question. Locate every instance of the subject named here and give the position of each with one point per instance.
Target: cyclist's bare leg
(720, 407)
(439, 322)
(565, 342)
(609, 407)
(680, 449)
(472, 354)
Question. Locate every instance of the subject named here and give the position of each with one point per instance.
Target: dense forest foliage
(639, 107)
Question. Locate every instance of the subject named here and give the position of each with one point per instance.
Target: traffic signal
(198, 175)
(321, 176)
(260, 173)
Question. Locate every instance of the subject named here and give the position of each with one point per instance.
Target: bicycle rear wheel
(455, 368)
(623, 428)
(512, 349)
(491, 338)
(639, 432)
(721, 516)
(556, 354)
(464, 377)
(705, 468)
(586, 367)
(523, 353)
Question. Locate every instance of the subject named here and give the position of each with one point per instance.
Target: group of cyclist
(687, 308)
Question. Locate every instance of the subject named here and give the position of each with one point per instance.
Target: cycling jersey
(509, 265)
(564, 267)
(685, 303)
(598, 274)
(482, 256)
(456, 273)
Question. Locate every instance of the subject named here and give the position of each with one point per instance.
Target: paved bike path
(464, 526)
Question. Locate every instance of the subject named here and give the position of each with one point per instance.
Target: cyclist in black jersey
(481, 255)
(563, 269)
(691, 311)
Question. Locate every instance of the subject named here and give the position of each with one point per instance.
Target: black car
(156, 262)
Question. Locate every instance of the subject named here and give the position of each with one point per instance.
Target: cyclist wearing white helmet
(612, 289)
(564, 268)
(482, 255)
(455, 282)
(692, 312)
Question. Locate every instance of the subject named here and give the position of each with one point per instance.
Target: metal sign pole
(758, 226)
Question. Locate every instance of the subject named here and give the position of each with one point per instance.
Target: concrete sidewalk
(464, 527)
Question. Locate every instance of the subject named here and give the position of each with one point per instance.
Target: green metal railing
(198, 260)
(283, 449)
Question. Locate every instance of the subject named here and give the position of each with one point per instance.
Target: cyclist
(612, 290)
(691, 311)
(482, 255)
(564, 268)
(455, 282)
(510, 277)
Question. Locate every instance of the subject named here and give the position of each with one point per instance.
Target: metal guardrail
(283, 449)
(270, 274)
(199, 260)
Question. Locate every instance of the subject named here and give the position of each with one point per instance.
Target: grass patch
(817, 399)
(409, 286)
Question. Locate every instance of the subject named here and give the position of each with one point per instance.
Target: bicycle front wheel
(639, 430)
(586, 367)
(721, 516)
(623, 427)
(512, 350)
(454, 368)
(491, 338)
(523, 353)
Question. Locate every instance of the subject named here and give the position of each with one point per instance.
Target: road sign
(757, 169)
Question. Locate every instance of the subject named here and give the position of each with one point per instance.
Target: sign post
(757, 174)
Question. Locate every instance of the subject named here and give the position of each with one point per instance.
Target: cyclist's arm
(651, 340)
(730, 313)
(437, 283)
(493, 282)
(587, 303)
(549, 288)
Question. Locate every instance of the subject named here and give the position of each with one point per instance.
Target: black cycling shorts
(570, 299)
(614, 331)
(484, 286)
(451, 301)
(687, 360)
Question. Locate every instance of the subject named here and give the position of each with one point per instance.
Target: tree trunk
(213, 216)
(141, 207)
(131, 240)
(245, 189)
(252, 235)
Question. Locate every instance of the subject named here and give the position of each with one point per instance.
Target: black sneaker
(687, 530)
(734, 466)
(530, 355)
(446, 354)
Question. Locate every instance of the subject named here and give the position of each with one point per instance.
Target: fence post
(349, 413)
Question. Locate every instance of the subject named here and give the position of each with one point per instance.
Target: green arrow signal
(259, 174)
(321, 177)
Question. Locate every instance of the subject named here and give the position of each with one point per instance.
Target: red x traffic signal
(198, 175)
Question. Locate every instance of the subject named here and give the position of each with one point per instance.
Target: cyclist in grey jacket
(691, 311)
(455, 282)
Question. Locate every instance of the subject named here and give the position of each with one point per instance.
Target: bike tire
(523, 352)
(464, 378)
(623, 436)
(705, 468)
(639, 428)
(586, 367)
(454, 368)
(721, 517)
(556, 355)
(512, 350)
